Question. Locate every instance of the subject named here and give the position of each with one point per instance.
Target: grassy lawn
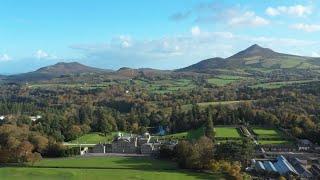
(97, 174)
(103, 168)
(227, 132)
(94, 138)
(271, 136)
(144, 163)
(193, 134)
(266, 132)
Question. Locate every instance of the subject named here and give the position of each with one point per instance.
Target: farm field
(224, 80)
(102, 168)
(167, 86)
(77, 85)
(274, 85)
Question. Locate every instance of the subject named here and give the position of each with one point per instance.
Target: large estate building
(128, 144)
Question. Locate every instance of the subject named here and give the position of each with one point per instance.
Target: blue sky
(164, 34)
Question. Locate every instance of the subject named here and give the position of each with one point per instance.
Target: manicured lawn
(270, 136)
(108, 162)
(227, 132)
(97, 174)
(266, 132)
(88, 168)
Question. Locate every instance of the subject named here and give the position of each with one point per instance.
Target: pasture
(103, 168)
(275, 85)
(223, 80)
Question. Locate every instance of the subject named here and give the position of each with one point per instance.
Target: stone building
(124, 144)
(128, 144)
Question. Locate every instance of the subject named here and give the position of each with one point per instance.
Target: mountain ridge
(254, 56)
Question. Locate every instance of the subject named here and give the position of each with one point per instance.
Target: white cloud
(306, 27)
(181, 50)
(248, 18)
(296, 10)
(5, 57)
(40, 54)
(272, 11)
(195, 31)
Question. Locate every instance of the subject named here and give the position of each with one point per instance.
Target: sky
(166, 34)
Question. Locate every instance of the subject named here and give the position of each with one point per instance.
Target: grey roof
(283, 166)
(269, 166)
(260, 166)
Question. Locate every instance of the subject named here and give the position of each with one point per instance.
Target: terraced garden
(192, 134)
(270, 136)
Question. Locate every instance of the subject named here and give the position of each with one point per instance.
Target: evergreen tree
(209, 131)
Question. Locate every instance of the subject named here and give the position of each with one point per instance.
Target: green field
(94, 138)
(226, 132)
(221, 132)
(274, 85)
(170, 85)
(272, 136)
(204, 105)
(223, 80)
(192, 134)
(88, 168)
(266, 132)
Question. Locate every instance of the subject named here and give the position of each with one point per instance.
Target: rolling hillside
(255, 57)
(54, 71)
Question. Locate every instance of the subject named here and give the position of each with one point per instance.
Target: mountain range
(254, 58)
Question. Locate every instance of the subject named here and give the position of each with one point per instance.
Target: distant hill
(205, 65)
(129, 72)
(255, 57)
(54, 71)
